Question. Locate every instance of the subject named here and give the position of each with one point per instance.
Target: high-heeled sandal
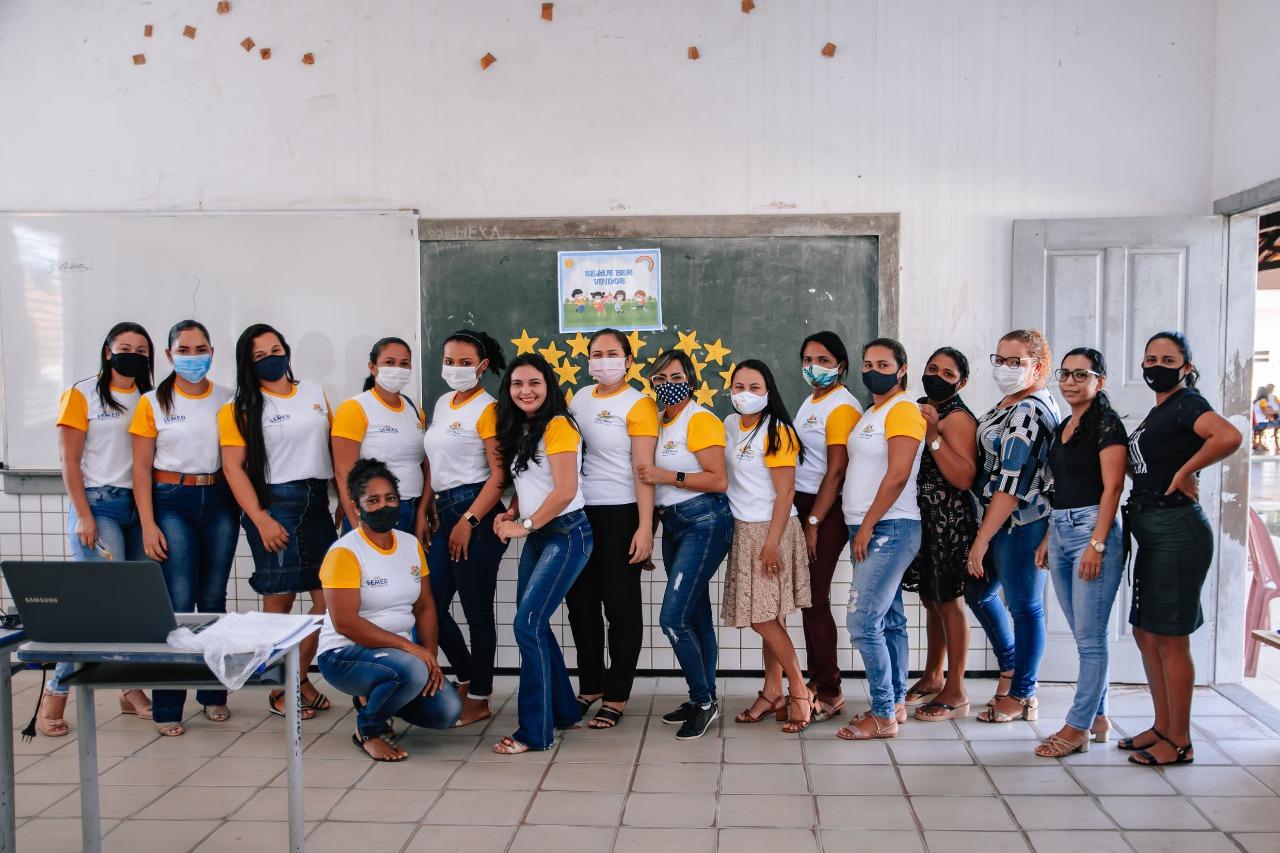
(1057, 747)
(1100, 733)
(130, 704)
(777, 706)
(881, 731)
(1030, 712)
(1130, 744)
(795, 722)
(1143, 758)
(827, 708)
(991, 703)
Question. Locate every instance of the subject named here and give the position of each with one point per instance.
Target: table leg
(7, 832)
(293, 747)
(87, 743)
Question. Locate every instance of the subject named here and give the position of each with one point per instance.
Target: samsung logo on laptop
(40, 599)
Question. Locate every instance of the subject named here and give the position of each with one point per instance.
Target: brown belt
(173, 478)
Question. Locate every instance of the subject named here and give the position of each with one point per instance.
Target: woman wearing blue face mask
(189, 520)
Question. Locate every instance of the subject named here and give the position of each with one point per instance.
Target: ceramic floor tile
(670, 810)
(833, 750)
(772, 810)
(132, 836)
(415, 774)
(330, 837)
(675, 778)
(1155, 813)
(898, 841)
(1180, 842)
(764, 779)
(606, 778)
(1047, 779)
(557, 839)
(768, 840)
(945, 780)
(198, 803)
(1248, 751)
(478, 807)
(1125, 779)
(636, 839)
(369, 805)
(31, 800)
(1241, 814)
(866, 779)
(1073, 841)
(1210, 781)
(953, 841)
(205, 743)
(575, 808)
(156, 771)
(492, 776)
(1058, 813)
(962, 813)
(325, 772)
(776, 751)
(864, 813)
(1268, 775)
(1259, 842)
(272, 804)
(473, 839)
(56, 835)
(668, 750)
(65, 770)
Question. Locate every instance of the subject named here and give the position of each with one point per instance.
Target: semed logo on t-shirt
(384, 429)
(105, 414)
(376, 581)
(605, 417)
(279, 419)
(454, 429)
(173, 419)
(415, 571)
(746, 453)
(669, 449)
(810, 422)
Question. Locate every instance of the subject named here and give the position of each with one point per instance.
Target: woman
(947, 526)
(189, 520)
(1178, 438)
(823, 422)
(1082, 550)
(689, 480)
(1265, 417)
(372, 579)
(466, 474)
(382, 423)
(1013, 445)
(620, 427)
(884, 525)
(768, 572)
(97, 472)
(275, 456)
(542, 454)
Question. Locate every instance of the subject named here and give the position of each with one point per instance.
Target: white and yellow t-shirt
(869, 458)
(535, 483)
(751, 491)
(608, 423)
(455, 440)
(693, 429)
(108, 449)
(821, 423)
(389, 582)
(296, 429)
(393, 436)
(187, 437)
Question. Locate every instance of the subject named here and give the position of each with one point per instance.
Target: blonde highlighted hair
(1035, 342)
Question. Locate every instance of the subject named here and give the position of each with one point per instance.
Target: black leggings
(611, 582)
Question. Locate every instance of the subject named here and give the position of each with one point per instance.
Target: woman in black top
(1178, 438)
(1083, 549)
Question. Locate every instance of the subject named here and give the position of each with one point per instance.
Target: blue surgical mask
(819, 376)
(192, 368)
(672, 393)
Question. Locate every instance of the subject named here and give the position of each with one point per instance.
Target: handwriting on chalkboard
(72, 265)
(466, 232)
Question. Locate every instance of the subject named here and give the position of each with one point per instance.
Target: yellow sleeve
(643, 418)
(788, 450)
(840, 423)
(705, 430)
(560, 436)
(73, 410)
(904, 419)
(144, 419)
(228, 433)
(422, 561)
(328, 409)
(350, 421)
(340, 570)
(487, 424)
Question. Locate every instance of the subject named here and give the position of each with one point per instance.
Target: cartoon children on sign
(629, 280)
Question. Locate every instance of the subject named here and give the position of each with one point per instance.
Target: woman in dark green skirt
(1179, 437)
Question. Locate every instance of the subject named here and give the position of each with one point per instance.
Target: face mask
(272, 367)
(879, 383)
(748, 404)
(131, 364)
(459, 378)
(607, 371)
(380, 520)
(937, 388)
(392, 379)
(1160, 378)
(672, 393)
(819, 376)
(1011, 380)
(192, 367)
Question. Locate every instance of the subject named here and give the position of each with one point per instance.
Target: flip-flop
(360, 740)
(303, 711)
(608, 717)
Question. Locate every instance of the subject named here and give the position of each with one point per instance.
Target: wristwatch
(679, 479)
(1100, 547)
(471, 518)
(527, 524)
(936, 444)
(814, 521)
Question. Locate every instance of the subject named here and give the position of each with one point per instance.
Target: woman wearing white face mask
(384, 424)
(619, 425)
(467, 476)
(1013, 450)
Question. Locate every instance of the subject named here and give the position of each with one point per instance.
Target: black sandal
(304, 712)
(609, 717)
(320, 703)
(1128, 745)
(361, 740)
(390, 728)
(585, 704)
(1142, 758)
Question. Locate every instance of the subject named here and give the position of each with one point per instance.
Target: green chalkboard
(756, 297)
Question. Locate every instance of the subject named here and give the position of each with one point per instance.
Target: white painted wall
(1246, 121)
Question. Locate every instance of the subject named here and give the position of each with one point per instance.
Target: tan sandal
(1030, 712)
(135, 702)
(797, 723)
(827, 708)
(882, 729)
(942, 712)
(1057, 747)
(509, 746)
(991, 703)
(777, 706)
(54, 725)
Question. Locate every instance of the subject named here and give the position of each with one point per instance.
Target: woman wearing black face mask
(1178, 438)
(275, 456)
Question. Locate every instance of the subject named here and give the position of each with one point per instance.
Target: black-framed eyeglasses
(1012, 360)
(1079, 375)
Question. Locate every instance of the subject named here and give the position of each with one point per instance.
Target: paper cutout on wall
(189, 31)
(247, 44)
(547, 11)
(829, 49)
(747, 6)
(224, 6)
(139, 59)
(147, 31)
(693, 52)
(308, 59)
(265, 53)
(487, 60)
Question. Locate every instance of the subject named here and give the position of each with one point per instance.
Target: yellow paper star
(704, 395)
(636, 343)
(716, 352)
(634, 374)
(578, 345)
(727, 375)
(688, 343)
(647, 388)
(568, 373)
(568, 396)
(697, 366)
(551, 353)
(524, 343)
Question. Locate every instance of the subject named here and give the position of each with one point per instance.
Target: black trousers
(608, 588)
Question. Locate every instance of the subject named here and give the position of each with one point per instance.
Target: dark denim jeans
(200, 527)
(474, 580)
(552, 558)
(392, 681)
(696, 535)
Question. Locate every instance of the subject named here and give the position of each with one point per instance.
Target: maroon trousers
(819, 625)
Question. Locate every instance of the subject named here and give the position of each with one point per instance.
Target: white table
(106, 666)
(8, 639)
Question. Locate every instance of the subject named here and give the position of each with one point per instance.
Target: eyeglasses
(675, 379)
(1077, 375)
(1012, 360)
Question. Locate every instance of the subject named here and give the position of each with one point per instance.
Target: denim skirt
(302, 508)
(1175, 550)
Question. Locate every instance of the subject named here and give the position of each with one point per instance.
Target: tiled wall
(33, 527)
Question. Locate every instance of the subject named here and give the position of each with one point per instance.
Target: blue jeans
(391, 680)
(474, 580)
(118, 531)
(1086, 604)
(876, 620)
(696, 535)
(551, 561)
(1012, 565)
(201, 527)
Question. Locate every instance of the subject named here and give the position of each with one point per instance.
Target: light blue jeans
(876, 620)
(1087, 604)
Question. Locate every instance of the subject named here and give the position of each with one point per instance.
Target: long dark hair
(374, 353)
(833, 345)
(899, 354)
(1179, 341)
(104, 364)
(518, 433)
(486, 347)
(164, 391)
(1091, 421)
(247, 406)
(776, 416)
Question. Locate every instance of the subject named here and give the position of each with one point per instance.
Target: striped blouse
(1013, 448)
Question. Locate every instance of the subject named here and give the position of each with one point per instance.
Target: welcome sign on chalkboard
(619, 289)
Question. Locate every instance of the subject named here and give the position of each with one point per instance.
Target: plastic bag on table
(232, 661)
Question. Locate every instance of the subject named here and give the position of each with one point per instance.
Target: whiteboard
(331, 282)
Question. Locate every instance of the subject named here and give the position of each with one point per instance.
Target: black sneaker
(696, 726)
(679, 715)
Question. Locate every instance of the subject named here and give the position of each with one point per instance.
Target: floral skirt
(753, 594)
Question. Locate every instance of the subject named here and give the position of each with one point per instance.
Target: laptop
(91, 602)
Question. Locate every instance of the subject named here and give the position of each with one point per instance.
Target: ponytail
(374, 353)
(164, 391)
